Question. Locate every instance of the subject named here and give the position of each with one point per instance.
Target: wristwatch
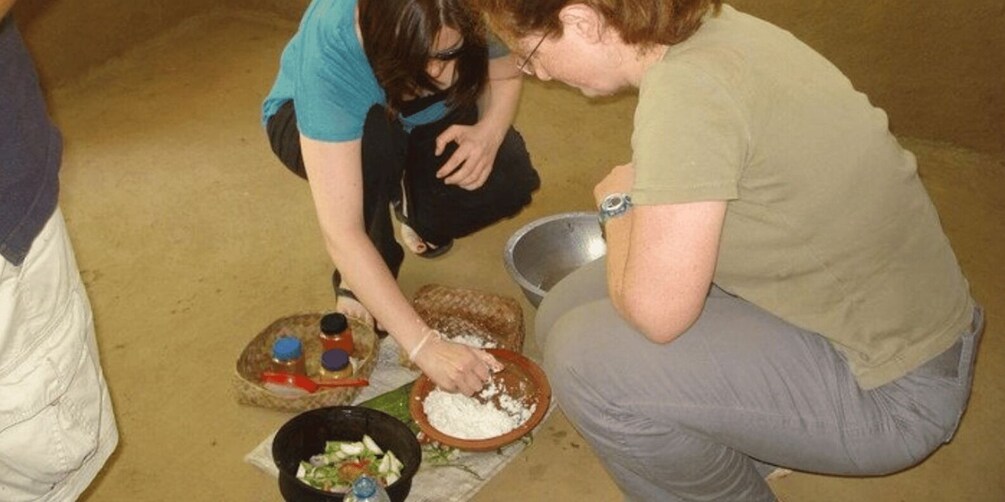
(614, 205)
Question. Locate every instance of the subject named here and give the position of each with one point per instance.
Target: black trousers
(394, 159)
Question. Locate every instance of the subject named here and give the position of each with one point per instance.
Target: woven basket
(257, 356)
(459, 311)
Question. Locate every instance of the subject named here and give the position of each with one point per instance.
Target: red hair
(639, 22)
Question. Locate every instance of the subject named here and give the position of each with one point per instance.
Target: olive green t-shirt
(827, 224)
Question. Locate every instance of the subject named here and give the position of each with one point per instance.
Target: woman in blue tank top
(403, 105)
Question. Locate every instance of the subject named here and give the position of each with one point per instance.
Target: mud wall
(937, 67)
(68, 37)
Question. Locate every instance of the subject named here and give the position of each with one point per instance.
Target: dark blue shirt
(30, 149)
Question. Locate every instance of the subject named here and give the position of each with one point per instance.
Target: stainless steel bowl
(546, 250)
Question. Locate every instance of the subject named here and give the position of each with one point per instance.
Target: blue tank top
(324, 70)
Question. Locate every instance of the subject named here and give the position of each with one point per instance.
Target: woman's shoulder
(329, 17)
(738, 50)
(327, 39)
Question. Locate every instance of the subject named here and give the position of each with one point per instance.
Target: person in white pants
(57, 427)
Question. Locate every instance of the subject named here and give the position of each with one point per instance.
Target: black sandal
(347, 293)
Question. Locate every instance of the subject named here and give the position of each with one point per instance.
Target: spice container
(334, 365)
(336, 333)
(288, 356)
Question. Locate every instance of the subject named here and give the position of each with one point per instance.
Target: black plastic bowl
(305, 435)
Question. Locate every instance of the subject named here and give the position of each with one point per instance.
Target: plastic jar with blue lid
(288, 356)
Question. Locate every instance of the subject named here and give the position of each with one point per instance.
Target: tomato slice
(349, 471)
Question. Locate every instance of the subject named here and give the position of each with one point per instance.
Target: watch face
(613, 202)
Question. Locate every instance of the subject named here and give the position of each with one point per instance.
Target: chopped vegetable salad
(344, 461)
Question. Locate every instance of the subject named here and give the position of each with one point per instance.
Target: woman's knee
(570, 360)
(585, 284)
(516, 170)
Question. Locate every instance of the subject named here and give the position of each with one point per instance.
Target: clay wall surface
(936, 67)
(68, 37)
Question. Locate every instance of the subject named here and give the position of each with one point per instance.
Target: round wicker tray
(257, 356)
(460, 311)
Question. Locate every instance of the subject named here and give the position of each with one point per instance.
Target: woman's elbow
(660, 333)
(661, 323)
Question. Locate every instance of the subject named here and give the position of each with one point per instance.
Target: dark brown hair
(398, 38)
(640, 22)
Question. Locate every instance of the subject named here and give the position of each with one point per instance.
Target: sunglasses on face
(448, 54)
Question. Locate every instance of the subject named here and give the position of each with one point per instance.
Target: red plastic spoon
(271, 379)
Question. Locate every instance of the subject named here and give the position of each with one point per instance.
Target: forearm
(364, 271)
(499, 102)
(617, 232)
(335, 174)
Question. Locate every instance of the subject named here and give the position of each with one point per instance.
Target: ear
(582, 20)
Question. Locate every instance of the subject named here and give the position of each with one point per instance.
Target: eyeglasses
(525, 65)
(449, 54)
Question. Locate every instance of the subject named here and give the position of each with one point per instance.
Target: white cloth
(455, 479)
(57, 427)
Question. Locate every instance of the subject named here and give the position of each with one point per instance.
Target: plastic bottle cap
(287, 347)
(334, 323)
(364, 487)
(334, 359)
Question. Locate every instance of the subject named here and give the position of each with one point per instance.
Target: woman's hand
(455, 367)
(472, 162)
(477, 145)
(619, 180)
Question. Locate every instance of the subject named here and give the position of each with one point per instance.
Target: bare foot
(415, 244)
(351, 307)
(412, 240)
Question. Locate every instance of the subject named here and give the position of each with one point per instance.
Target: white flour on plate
(469, 418)
(473, 341)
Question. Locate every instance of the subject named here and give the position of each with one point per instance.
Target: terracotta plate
(522, 379)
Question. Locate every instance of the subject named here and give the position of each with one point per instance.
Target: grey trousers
(706, 416)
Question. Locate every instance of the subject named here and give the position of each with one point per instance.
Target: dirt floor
(191, 238)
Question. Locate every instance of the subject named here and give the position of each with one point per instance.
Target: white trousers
(57, 427)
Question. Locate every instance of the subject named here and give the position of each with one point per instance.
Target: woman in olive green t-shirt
(777, 291)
